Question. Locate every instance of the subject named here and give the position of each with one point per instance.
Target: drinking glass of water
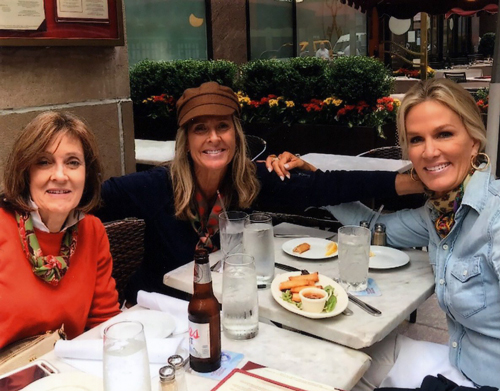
(354, 256)
(258, 242)
(240, 307)
(126, 363)
(231, 225)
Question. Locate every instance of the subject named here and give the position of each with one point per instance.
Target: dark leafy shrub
(487, 45)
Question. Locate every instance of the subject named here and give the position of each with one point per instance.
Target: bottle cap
(176, 361)
(167, 373)
(379, 227)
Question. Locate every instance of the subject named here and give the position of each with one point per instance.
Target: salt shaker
(379, 236)
(180, 374)
(364, 223)
(167, 379)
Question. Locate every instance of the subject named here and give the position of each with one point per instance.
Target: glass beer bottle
(204, 318)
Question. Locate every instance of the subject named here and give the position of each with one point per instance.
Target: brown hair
(34, 140)
(240, 179)
(449, 94)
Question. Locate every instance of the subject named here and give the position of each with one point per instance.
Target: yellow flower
(273, 102)
(337, 102)
(290, 103)
(397, 102)
(244, 99)
(328, 101)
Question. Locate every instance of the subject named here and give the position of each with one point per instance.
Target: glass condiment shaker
(379, 236)
(180, 374)
(167, 379)
(364, 223)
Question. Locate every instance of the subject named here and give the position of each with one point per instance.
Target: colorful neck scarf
(50, 268)
(447, 206)
(206, 225)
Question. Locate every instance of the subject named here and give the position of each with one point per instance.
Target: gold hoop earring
(414, 176)
(475, 161)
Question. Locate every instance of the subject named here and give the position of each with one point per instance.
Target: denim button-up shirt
(466, 266)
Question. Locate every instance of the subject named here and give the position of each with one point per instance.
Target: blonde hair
(34, 140)
(449, 94)
(240, 181)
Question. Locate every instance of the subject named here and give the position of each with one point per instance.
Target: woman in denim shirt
(443, 135)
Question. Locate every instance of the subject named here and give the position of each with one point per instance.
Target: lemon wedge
(330, 249)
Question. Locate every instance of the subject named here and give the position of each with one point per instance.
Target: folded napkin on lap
(159, 350)
(175, 307)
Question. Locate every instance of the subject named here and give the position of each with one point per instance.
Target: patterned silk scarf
(50, 268)
(447, 206)
(206, 225)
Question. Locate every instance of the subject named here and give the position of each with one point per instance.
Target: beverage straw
(222, 202)
(377, 215)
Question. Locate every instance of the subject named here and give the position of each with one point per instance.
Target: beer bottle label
(202, 273)
(199, 339)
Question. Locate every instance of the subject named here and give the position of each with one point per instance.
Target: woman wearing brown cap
(179, 202)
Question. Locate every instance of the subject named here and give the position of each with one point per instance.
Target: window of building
(318, 23)
(166, 30)
(335, 25)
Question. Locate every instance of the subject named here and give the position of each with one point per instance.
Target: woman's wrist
(404, 185)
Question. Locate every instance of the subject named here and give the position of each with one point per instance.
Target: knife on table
(367, 307)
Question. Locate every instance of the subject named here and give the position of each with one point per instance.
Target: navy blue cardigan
(170, 243)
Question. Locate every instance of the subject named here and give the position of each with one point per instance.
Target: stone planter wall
(333, 139)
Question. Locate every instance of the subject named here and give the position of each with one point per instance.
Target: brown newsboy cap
(208, 99)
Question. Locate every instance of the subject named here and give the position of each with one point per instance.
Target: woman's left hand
(285, 162)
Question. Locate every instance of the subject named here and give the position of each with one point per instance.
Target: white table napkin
(159, 350)
(175, 307)
(86, 354)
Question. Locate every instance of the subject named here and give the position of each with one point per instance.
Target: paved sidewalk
(430, 325)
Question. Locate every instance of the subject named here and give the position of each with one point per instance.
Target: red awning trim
(490, 8)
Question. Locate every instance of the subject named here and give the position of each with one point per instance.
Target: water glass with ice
(354, 256)
(258, 242)
(231, 225)
(126, 363)
(240, 306)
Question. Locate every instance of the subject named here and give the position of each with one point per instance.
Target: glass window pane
(271, 29)
(336, 25)
(166, 29)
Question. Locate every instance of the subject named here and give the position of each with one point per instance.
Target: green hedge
(351, 79)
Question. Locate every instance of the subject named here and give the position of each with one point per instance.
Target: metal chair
(391, 152)
(458, 77)
(256, 146)
(126, 242)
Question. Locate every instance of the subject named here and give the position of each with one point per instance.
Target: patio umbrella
(402, 9)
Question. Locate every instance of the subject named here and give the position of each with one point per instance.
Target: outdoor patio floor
(430, 325)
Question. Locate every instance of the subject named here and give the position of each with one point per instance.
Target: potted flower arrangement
(414, 73)
(303, 105)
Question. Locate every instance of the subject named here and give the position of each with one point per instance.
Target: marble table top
(325, 161)
(288, 352)
(403, 290)
(154, 152)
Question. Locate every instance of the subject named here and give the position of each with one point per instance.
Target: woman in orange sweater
(55, 264)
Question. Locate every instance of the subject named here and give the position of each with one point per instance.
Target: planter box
(332, 139)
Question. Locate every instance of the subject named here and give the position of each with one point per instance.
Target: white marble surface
(403, 290)
(286, 351)
(154, 152)
(325, 162)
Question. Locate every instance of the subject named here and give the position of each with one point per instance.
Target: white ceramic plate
(68, 381)
(156, 324)
(323, 280)
(317, 250)
(387, 258)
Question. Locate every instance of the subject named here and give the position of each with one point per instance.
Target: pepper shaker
(180, 374)
(379, 236)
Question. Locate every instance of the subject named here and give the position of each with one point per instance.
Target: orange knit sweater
(85, 297)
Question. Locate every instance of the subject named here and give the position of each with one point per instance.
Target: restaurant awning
(490, 8)
(404, 9)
